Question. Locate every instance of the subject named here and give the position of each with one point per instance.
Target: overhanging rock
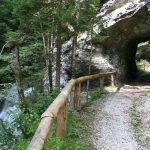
(128, 23)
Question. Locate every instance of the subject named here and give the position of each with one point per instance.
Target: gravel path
(122, 120)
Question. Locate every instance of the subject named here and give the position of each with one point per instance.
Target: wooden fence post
(101, 84)
(62, 121)
(77, 96)
(71, 96)
(113, 79)
(58, 109)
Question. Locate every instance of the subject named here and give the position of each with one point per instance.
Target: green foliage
(6, 74)
(12, 38)
(22, 144)
(7, 138)
(26, 123)
(72, 141)
(95, 94)
(143, 52)
(24, 22)
(72, 125)
(63, 144)
(3, 91)
(41, 101)
(136, 122)
(7, 20)
(31, 58)
(101, 37)
(5, 59)
(22, 6)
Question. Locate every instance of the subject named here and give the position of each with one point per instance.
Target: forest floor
(121, 120)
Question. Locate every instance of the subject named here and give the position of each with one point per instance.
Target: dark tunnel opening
(133, 52)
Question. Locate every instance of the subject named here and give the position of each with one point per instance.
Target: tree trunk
(73, 57)
(90, 61)
(49, 66)
(44, 41)
(58, 45)
(58, 61)
(17, 72)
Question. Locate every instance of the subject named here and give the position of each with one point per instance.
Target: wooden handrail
(58, 110)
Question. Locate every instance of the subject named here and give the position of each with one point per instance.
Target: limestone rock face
(99, 62)
(128, 24)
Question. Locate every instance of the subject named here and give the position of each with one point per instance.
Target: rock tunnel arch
(131, 50)
(129, 28)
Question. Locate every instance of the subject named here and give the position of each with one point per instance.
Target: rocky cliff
(128, 24)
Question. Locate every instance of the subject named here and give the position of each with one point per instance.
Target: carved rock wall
(128, 23)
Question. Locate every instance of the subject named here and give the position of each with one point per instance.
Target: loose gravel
(111, 122)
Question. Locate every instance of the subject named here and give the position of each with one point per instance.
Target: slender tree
(17, 71)
(75, 36)
(90, 60)
(14, 39)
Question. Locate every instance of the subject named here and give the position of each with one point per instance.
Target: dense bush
(72, 140)
(31, 62)
(26, 123)
(6, 73)
(143, 52)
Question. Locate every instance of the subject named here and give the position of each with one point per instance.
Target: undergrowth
(27, 123)
(137, 126)
(94, 94)
(136, 123)
(72, 141)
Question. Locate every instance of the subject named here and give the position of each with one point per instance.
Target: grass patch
(136, 123)
(76, 127)
(94, 94)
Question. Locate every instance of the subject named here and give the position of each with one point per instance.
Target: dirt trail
(122, 120)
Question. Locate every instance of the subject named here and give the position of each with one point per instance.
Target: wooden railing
(58, 109)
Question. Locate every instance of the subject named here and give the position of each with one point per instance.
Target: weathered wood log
(58, 109)
(62, 121)
(41, 134)
(101, 84)
(60, 100)
(94, 77)
(77, 96)
(113, 79)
